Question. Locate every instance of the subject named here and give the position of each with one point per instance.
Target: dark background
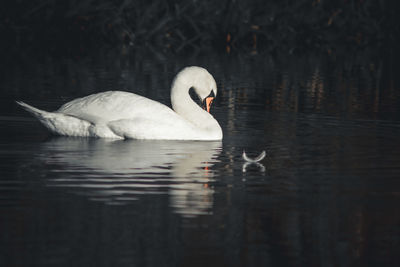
(175, 26)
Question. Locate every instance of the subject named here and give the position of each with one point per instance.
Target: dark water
(327, 194)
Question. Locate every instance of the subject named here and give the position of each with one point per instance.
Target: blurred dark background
(175, 26)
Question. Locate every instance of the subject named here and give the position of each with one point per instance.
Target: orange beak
(207, 103)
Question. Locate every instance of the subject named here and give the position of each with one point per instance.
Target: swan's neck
(183, 104)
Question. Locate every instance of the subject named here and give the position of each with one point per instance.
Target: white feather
(256, 159)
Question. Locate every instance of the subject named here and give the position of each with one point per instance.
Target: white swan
(116, 114)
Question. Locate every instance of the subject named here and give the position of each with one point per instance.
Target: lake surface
(327, 194)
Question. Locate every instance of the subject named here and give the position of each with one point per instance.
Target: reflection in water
(260, 166)
(116, 171)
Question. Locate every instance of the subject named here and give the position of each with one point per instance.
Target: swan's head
(201, 81)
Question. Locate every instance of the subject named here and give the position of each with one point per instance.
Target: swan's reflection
(116, 171)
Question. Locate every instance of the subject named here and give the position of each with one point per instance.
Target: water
(327, 193)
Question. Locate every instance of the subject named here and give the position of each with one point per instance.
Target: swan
(121, 115)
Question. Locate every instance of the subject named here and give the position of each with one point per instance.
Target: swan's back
(113, 105)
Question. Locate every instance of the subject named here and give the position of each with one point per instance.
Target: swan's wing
(132, 116)
(170, 127)
(111, 106)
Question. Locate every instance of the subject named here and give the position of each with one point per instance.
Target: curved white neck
(183, 104)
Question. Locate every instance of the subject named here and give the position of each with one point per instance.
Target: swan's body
(116, 114)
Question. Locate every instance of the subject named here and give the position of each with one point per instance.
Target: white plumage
(116, 114)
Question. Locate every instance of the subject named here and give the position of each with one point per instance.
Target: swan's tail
(59, 123)
(36, 112)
